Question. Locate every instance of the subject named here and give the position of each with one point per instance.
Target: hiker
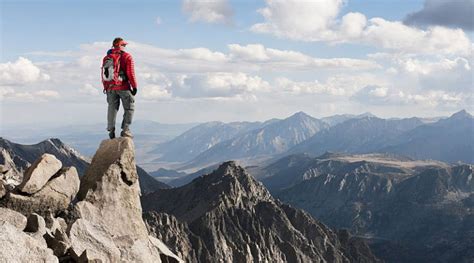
(118, 79)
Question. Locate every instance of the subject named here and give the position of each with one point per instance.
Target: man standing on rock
(118, 78)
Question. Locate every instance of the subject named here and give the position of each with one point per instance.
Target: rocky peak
(226, 216)
(234, 182)
(227, 186)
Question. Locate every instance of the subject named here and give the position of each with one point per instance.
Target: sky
(236, 60)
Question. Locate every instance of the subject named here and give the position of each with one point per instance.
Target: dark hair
(117, 41)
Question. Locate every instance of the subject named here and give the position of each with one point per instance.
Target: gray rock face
(227, 216)
(111, 185)
(17, 246)
(54, 197)
(39, 173)
(109, 225)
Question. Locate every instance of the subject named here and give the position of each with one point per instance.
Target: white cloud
(5, 91)
(377, 95)
(20, 72)
(155, 92)
(258, 54)
(89, 89)
(216, 11)
(338, 85)
(317, 21)
(46, 94)
(218, 85)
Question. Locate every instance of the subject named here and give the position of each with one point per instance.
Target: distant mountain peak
(462, 114)
(366, 114)
(300, 114)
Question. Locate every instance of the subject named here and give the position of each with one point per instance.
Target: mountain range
(273, 138)
(408, 210)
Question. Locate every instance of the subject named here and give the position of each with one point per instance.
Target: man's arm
(131, 72)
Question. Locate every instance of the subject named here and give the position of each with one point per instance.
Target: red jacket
(128, 66)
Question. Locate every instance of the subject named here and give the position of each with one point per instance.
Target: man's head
(119, 43)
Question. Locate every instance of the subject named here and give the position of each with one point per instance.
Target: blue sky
(334, 58)
(62, 25)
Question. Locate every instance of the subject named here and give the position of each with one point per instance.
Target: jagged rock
(35, 223)
(111, 184)
(109, 225)
(53, 223)
(54, 197)
(17, 246)
(14, 218)
(10, 173)
(177, 234)
(39, 173)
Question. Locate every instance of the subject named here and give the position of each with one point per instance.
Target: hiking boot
(126, 133)
(111, 134)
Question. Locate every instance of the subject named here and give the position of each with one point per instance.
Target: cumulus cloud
(454, 14)
(20, 72)
(218, 85)
(216, 11)
(428, 73)
(371, 94)
(317, 21)
(155, 92)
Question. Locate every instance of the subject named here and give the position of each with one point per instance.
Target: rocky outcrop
(108, 225)
(54, 197)
(38, 174)
(227, 216)
(103, 224)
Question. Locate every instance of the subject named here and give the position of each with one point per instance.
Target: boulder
(38, 174)
(17, 246)
(13, 217)
(54, 197)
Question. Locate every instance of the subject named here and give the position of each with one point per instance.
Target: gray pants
(128, 102)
